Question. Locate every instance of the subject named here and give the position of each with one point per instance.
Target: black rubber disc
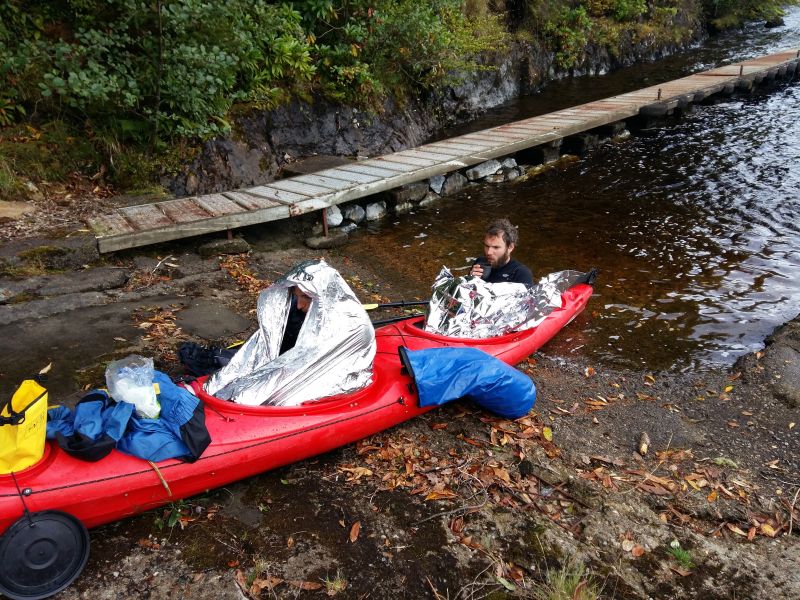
(41, 555)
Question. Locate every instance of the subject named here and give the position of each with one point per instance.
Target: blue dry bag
(445, 374)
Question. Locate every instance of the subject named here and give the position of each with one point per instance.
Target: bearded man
(496, 264)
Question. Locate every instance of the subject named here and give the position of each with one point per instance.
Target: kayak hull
(247, 440)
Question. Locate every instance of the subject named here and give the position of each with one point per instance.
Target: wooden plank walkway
(134, 226)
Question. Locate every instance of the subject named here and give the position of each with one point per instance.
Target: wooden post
(741, 70)
(659, 94)
(230, 234)
(325, 222)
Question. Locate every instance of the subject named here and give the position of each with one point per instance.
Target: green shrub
(569, 33)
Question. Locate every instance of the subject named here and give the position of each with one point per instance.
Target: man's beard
(500, 262)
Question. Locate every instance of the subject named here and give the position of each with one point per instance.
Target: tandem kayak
(46, 508)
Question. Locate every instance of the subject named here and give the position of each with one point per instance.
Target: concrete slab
(210, 320)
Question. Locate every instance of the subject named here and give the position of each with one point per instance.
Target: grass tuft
(571, 582)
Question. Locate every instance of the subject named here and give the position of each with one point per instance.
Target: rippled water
(693, 226)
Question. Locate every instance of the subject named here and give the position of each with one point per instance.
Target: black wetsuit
(293, 325)
(511, 272)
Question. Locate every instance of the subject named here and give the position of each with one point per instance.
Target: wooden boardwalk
(173, 219)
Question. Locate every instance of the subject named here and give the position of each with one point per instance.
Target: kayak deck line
(141, 225)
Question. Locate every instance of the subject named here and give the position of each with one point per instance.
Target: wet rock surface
(455, 503)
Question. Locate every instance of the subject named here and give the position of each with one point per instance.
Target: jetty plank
(310, 191)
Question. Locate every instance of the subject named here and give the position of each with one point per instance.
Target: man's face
(497, 252)
(303, 300)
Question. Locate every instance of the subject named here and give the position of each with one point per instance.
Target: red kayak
(61, 495)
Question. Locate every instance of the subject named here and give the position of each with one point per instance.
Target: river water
(693, 226)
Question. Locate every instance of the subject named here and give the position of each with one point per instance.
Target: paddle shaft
(395, 319)
(395, 304)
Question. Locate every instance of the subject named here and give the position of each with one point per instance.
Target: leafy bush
(569, 34)
(629, 10)
(166, 69)
(146, 70)
(730, 13)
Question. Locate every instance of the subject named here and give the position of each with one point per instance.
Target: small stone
(191, 184)
(403, 208)
(334, 239)
(333, 216)
(376, 210)
(455, 182)
(495, 178)
(508, 163)
(484, 169)
(354, 213)
(235, 246)
(430, 198)
(436, 183)
(411, 192)
(33, 192)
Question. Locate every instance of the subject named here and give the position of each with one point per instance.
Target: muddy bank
(453, 504)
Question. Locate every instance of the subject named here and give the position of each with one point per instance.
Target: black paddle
(395, 319)
(395, 304)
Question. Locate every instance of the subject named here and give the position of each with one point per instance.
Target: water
(693, 226)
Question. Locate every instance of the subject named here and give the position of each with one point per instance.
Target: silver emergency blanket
(468, 307)
(333, 354)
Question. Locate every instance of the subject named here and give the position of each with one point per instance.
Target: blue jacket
(99, 422)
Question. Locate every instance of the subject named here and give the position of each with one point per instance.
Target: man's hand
(476, 270)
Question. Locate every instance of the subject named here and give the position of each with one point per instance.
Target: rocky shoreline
(452, 504)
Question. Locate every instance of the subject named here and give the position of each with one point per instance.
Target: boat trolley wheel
(41, 554)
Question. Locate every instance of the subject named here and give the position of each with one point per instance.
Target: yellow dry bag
(23, 426)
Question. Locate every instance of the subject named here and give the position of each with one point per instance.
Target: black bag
(204, 360)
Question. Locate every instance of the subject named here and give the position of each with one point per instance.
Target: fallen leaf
(735, 529)
(305, 585)
(240, 579)
(680, 571)
(637, 550)
(507, 584)
(589, 371)
(356, 473)
(290, 542)
(354, 531)
(437, 426)
(547, 433)
(751, 533)
(46, 370)
(628, 545)
(767, 529)
(457, 525)
(649, 379)
(712, 497)
(725, 462)
(791, 425)
(264, 584)
(728, 388)
(440, 495)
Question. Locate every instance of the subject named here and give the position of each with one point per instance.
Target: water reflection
(693, 226)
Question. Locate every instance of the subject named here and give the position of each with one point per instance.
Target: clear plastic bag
(131, 380)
